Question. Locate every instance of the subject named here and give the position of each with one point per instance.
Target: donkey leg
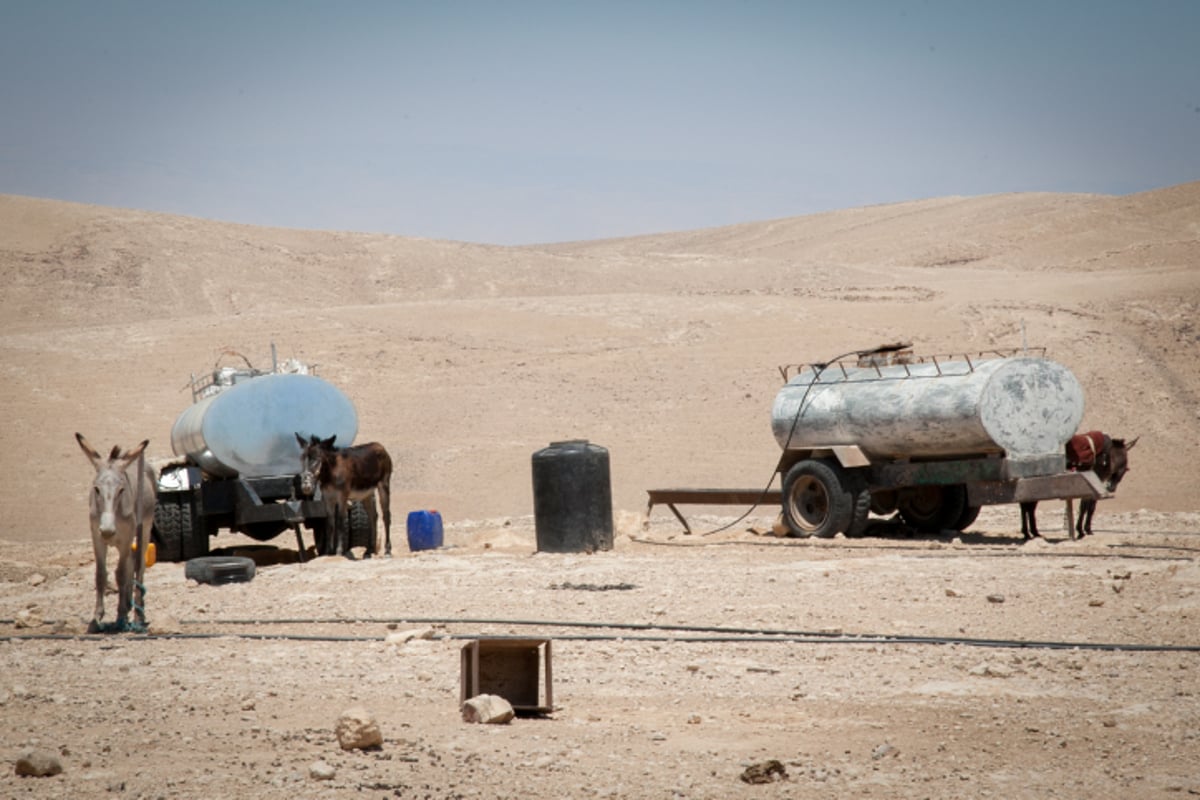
(299, 543)
(372, 523)
(1087, 508)
(101, 550)
(336, 543)
(343, 529)
(385, 501)
(1029, 520)
(124, 583)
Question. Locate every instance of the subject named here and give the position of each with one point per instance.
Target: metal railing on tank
(900, 362)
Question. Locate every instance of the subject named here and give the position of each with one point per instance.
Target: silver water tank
(1023, 407)
(250, 428)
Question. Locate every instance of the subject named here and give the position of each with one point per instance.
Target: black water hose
(818, 368)
(714, 635)
(927, 552)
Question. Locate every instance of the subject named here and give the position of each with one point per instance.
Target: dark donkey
(1107, 457)
(345, 474)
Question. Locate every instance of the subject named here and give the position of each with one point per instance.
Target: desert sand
(464, 360)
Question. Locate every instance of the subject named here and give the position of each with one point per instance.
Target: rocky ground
(886, 666)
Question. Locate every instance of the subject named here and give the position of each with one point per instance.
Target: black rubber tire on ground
(933, 509)
(218, 570)
(816, 501)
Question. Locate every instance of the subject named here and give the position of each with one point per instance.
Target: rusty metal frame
(672, 498)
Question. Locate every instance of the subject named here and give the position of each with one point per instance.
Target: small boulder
(884, 750)
(766, 772)
(357, 730)
(28, 618)
(322, 771)
(488, 709)
(38, 764)
(403, 637)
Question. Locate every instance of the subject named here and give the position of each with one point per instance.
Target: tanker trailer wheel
(933, 509)
(362, 525)
(362, 529)
(969, 515)
(179, 533)
(860, 512)
(816, 501)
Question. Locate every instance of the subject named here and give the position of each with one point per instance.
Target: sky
(511, 122)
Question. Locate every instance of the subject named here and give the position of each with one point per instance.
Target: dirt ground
(886, 665)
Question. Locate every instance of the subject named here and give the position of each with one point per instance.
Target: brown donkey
(1097, 451)
(346, 474)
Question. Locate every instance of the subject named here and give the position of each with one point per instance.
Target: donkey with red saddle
(1094, 450)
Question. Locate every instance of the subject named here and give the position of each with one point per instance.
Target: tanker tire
(860, 514)
(167, 532)
(816, 501)
(178, 532)
(933, 509)
(361, 530)
(218, 570)
(969, 515)
(195, 545)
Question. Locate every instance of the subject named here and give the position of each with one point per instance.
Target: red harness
(1083, 449)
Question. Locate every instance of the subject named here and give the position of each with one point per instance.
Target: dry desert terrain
(886, 665)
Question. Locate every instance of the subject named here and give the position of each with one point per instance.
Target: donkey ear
(329, 442)
(133, 454)
(300, 439)
(88, 450)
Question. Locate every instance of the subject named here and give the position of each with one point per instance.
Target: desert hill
(465, 358)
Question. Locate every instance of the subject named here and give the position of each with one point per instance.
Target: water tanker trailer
(237, 459)
(933, 438)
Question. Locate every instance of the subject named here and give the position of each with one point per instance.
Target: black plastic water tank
(572, 498)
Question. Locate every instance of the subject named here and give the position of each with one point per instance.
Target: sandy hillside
(465, 359)
(886, 665)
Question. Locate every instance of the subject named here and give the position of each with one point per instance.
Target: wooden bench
(709, 497)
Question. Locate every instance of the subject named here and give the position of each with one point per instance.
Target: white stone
(488, 709)
(401, 637)
(357, 729)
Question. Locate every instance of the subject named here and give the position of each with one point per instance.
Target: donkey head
(111, 496)
(1113, 462)
(312, 458)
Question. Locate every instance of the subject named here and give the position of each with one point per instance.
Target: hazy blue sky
(518, 122)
